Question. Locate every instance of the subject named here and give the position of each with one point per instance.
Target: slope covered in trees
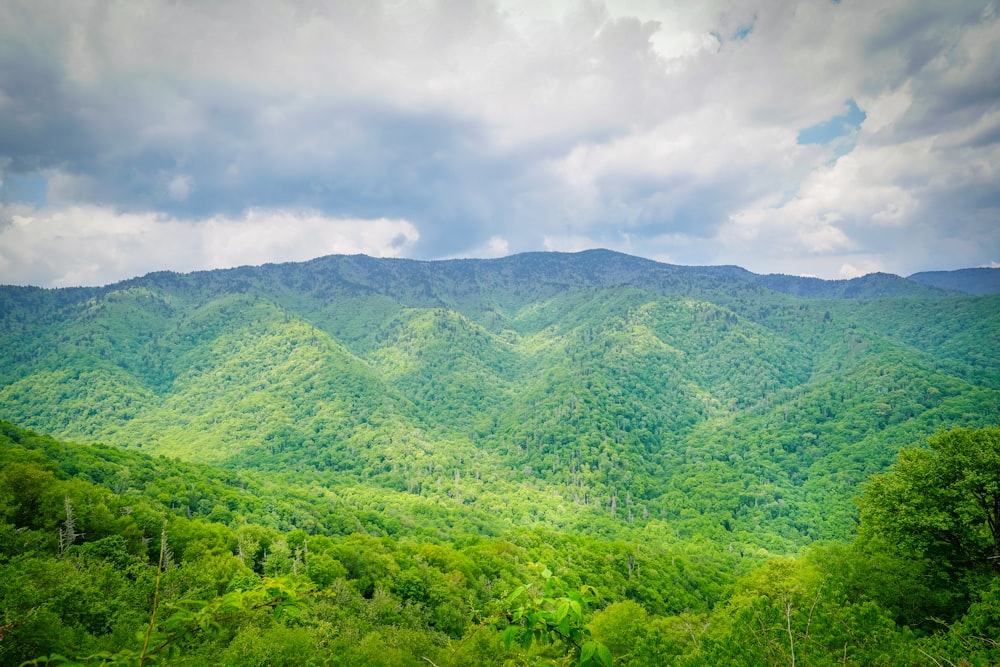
(360, 461)
(116, 558)
(593, 389)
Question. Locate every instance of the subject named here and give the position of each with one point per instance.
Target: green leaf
(509, 634)
(604, 655)
(288, 610)
(517, 592)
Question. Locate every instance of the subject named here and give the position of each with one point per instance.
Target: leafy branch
(553, 615)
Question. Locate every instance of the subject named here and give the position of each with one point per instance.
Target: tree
(621, 626)
(941, 503)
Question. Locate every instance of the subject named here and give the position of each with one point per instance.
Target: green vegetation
(83, 575)
(564, 459)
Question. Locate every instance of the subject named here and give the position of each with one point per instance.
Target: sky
(815, 137)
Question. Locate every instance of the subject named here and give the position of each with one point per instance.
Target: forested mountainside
(591, 388)
(615, 409)
(969, 281)
(118, 558)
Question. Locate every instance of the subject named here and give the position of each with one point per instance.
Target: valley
(598, 414)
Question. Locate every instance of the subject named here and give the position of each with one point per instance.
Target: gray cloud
(658, 129)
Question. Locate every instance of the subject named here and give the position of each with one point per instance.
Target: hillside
(587, 459)
(247, 571)
(558, 390)
(968, 281)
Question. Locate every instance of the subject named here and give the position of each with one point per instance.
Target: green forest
(566, 459)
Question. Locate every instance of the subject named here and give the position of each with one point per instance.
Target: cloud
(42, 246)
(848, 271)
(496, 246)
(779, 136)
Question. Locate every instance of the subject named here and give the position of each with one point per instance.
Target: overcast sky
(812, 137)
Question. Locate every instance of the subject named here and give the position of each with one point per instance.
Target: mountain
(873, 285)
(968, 281)
(548, 458)
(592, 390)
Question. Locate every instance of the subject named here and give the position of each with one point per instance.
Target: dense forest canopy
(584, 458)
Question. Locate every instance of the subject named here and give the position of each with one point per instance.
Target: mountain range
(594, 391)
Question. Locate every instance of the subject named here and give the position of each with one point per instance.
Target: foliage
(358, 462)
(254, 595)
(552, 615)
(544, 390)
(942, 503)
(188, 618)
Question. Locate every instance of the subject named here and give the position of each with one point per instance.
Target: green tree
(942, 503)
(971, 640)
(621, 626)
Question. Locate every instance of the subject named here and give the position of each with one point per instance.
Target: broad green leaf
(509, 634)
(562, 610)
(604, 655)
(516, 593)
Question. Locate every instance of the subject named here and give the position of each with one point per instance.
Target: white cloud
(568, 243)
(864, 267)
(886, 109)
(633, 124)
(498, 247)
(495, 246)
(94, 245)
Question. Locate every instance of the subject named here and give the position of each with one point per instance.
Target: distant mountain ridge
(979, 281)
(588, 268)
(602, 268)
(595, 388)
(872, 285)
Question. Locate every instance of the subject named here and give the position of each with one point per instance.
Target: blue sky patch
(744, 31)
(24, 189)
(835, 128)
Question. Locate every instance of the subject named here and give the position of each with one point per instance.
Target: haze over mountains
(603, 388)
